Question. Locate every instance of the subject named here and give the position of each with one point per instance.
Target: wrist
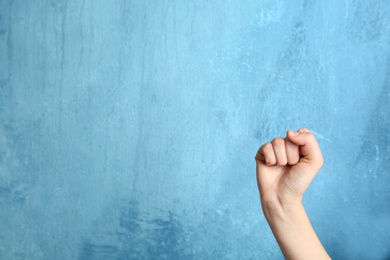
(281, 210)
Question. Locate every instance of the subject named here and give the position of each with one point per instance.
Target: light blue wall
(128, 128)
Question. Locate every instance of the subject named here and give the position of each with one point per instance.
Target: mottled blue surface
(128, 128)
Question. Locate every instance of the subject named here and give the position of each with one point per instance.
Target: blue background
(128, 129)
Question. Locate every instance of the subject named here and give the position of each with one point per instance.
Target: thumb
(308, 146)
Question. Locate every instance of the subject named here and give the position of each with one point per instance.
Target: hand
(286, 166)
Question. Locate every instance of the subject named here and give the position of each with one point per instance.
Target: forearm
(294, 232)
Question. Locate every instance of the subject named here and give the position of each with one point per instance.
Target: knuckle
(282, 162)
(267, 148)
(268, 153)
(278, 142)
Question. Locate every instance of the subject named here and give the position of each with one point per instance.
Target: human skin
(285, 168)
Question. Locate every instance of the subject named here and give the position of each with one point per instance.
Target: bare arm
(285, 168)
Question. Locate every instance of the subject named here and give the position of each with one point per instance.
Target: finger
(259, 155)
(266, 154)
(279, 148)
(292, 152)
(309, 147)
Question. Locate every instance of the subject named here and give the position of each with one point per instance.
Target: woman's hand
(286, 167)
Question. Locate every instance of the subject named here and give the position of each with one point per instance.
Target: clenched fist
(286, 166)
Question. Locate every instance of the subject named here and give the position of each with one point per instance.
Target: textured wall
(128, 128)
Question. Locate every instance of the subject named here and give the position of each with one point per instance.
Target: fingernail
(293, 133)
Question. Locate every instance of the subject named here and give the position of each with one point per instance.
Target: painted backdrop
(128, 128)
